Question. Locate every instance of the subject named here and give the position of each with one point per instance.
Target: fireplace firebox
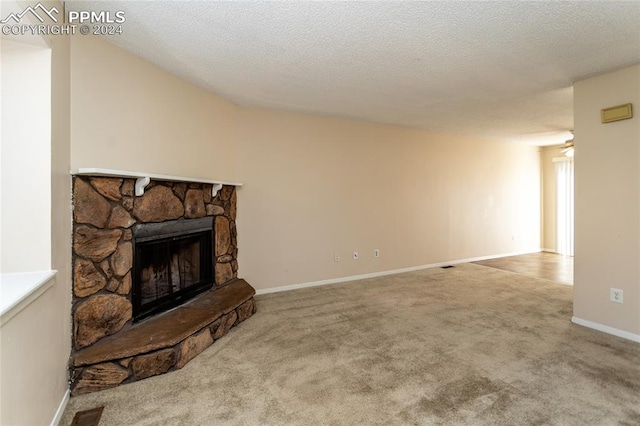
(172, 263)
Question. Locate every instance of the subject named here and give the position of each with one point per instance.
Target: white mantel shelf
(143, 179)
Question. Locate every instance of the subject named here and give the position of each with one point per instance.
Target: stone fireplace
(154, 277)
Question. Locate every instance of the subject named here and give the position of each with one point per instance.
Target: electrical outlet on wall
(616, 295)
(336, 257)
(376, 253)
(355, 255)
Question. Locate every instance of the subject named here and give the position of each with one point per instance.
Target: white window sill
(20, 289)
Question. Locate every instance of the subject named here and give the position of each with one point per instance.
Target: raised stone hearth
(108, 348)
(163, 343)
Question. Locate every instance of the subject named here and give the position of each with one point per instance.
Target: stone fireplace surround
(108, 349)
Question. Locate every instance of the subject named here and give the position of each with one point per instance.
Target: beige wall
(34, 376)
(607, 243)
(547, 154)
(317, 186)
(60, 324)
(36, 342)
(314, 186)
(130, 115)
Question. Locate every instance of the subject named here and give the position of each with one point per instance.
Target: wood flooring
(548, 266)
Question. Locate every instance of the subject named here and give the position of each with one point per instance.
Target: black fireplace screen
(173, 262)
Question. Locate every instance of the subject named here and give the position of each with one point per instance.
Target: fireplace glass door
(170, 270)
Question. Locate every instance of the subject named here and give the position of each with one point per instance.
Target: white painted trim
(19, 290)
(63, 405)
(93, 171)
(384, 273)
(607, 329)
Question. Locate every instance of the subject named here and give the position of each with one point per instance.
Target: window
(25, 195)
(25, 175)
(564, 205)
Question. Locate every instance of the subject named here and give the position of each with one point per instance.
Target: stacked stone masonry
(104, 210)
(105, 375)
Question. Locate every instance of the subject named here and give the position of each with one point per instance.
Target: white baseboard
(607, 329)
(384, 273)
(61, 408)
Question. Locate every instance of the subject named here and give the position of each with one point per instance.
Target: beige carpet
(467, 345)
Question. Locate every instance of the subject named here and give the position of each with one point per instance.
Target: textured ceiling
(497, 70)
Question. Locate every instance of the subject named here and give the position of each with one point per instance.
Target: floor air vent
(447, 267)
